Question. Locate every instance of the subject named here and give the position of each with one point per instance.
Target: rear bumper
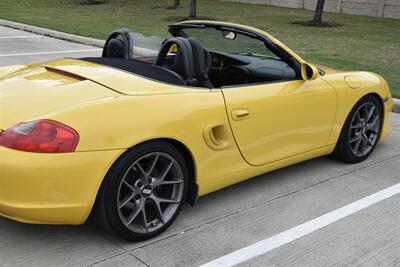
(51, 188)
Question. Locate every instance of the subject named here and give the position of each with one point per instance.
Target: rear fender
(4, 71)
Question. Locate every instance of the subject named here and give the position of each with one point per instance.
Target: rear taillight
(42, 136)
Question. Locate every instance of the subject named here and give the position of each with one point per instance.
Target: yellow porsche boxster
(130, 136)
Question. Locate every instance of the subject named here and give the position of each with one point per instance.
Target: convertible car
(133, 135)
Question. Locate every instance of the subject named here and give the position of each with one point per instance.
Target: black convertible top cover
(138, 67)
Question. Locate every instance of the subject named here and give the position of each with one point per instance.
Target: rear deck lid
(35, 91)
(116, 79)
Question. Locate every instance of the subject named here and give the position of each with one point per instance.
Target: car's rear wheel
(361, 131)
(143, 192)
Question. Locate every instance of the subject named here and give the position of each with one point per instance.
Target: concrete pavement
(18, 47)
(232, 218)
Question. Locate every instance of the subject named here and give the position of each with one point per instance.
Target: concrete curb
(54, 34)
(90, 41)
(396, 105)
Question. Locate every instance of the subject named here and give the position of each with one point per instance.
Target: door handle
(240, 114)
(216, 137)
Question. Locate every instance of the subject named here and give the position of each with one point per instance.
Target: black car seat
(119, 44)
(183, 61)
(201, 63)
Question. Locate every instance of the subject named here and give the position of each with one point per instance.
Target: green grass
(362, 43)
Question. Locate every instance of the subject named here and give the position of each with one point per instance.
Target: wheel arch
(381, 103)
(377, 96)
(373, 94)
(192, 192)
(339, 151)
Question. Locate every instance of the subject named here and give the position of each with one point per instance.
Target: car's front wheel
(361, 131)
(143, 192)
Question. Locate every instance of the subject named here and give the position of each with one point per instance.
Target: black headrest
(115, 48)
(202, 63)
(118, 38)
(183, 62)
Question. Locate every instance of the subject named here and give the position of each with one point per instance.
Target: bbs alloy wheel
(361, 131)
(150, 192)
(143, 192)
(364, 129)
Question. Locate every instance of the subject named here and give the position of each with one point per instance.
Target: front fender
(350, 88)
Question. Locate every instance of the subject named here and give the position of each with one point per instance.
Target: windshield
(213, 39)
(229, 41)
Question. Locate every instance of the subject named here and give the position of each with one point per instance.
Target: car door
(278, 120)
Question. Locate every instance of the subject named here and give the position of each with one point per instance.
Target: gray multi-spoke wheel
(143, 192)
(364, 129)
(150, 192)
(361, 131)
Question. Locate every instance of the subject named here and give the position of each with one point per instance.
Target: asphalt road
(231, 219)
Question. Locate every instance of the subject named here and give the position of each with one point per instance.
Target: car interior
(184, 61)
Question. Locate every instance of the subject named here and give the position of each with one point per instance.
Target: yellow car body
(113, 111)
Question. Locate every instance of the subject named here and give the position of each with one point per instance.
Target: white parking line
(301, 230)
(52, 52)
(22, 36)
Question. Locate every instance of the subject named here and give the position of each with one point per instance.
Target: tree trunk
(193, 9)
(176, 3)
(318, 11)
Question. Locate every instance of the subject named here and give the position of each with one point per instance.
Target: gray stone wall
(373, 8)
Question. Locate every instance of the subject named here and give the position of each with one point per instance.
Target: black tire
(107, 212)
(344, 151)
